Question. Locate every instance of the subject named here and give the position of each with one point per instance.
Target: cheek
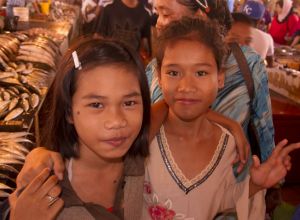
(135, 120)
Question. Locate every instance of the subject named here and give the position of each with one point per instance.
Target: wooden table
(286, 118)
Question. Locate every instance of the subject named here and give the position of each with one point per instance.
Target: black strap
(244, 67)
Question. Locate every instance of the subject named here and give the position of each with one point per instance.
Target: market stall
(28, 64)
(284, 84)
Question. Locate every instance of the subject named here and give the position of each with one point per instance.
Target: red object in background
(3, 12)
(286, 118)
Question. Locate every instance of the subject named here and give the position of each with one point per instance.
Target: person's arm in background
(295, 41)
(292, 25)
(102, 23)
(270, 52)
(261, 106)
(146, 36)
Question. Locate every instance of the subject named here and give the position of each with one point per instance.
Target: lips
(116, 141)
(187, 101)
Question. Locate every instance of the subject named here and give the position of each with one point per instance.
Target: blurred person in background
(90, 10)
(284, 23)
(261, 42)
(128, 21)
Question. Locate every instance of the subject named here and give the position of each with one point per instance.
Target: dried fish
(16, 91)
(24, 95)
(11, 153)
(6, 177)
(6, 96)
(25, 104)
(13, 114)
(3, 186)
(13, 104)
(9, 168)
(4, 105)
(34, 100)
(4, 194)
(4, 75)
(8, 136)
(10, 161)
(10, 81)
(21, 67)
(8, 156)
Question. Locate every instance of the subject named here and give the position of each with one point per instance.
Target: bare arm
(234, 127)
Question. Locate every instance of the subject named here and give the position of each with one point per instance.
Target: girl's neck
(89, 161)
(187, 129)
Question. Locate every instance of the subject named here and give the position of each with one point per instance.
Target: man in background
(128, 21)
(245, 31)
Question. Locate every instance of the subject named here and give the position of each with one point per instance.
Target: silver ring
(51, 200)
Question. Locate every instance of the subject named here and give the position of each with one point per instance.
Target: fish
(6, 136)
(25, 104)
(13, 103)
(34, 100)
(12, 151)
(9, 168)
(6, 177)
(32, 87)
(4, 194)
(16, 91)
(36, 59)
(36, 49)
(23, 79)
(24, 95)
(10, 81)
(3, 105)
(6, 96)
(11, 156)
(14, 114)
(21, 67)
(3, 186)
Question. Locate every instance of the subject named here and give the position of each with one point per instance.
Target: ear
(221, 78)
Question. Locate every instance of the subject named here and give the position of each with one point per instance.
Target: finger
(27, 174)
(240, 167)
(47, 186)
(279, 147)
(58, 165)
(55, 208)
(247, 152)
(286, 160)
(236, 159)
(38, 181)
(55, 191)
(289, 167)
(256, 161)
(288, 149)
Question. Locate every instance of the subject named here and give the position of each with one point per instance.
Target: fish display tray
(285, 82)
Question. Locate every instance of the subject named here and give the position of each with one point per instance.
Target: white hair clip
(77, 63)
(204, 5)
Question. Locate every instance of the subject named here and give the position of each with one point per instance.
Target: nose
(160, 23)
(186, 84)
(115, 119)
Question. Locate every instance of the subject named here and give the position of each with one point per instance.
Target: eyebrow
(94, 96)
(195, 64)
